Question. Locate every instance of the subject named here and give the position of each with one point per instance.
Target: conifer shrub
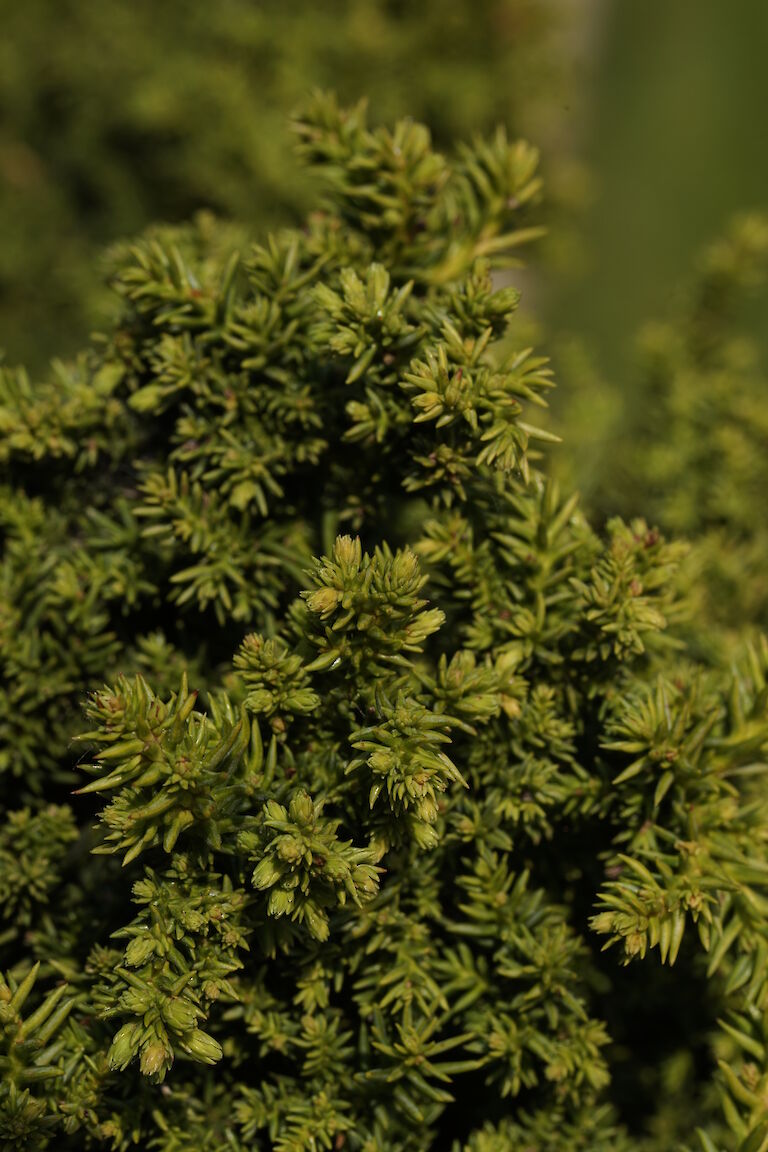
(399, 818)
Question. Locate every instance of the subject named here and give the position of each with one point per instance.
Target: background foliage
(686, 443)
(115, 116)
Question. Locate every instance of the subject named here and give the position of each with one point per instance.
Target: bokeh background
(676, 143)
(650, 116)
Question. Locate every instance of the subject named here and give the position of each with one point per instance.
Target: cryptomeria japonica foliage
(397, 793)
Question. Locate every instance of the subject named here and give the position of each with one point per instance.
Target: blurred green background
(676, 142)
(650, 115)
(117, 114)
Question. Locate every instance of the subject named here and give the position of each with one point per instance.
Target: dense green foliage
(398, 795)
(114, 116)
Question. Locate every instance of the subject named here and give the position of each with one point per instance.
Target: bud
(250, 648)
(275, 811)
(202, 1047)
(382, 760)
(424, 834)
(259, 700)
(139, 951)
(180, 1014)
(280, 902)
(316, 921)
(136, 1001)
(347, 552)
(304, 700)
(289, 849)
(635, 944)
(427, 400)
(365, 880)
(405, 570)
(156, 1059)
(124, 1045)
(248, 842)
(427, 809)
(192, 919)
(266, 873)
(323, 601)
(336, 868)
(302, 810)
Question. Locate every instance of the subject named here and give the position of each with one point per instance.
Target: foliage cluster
(402, 807)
